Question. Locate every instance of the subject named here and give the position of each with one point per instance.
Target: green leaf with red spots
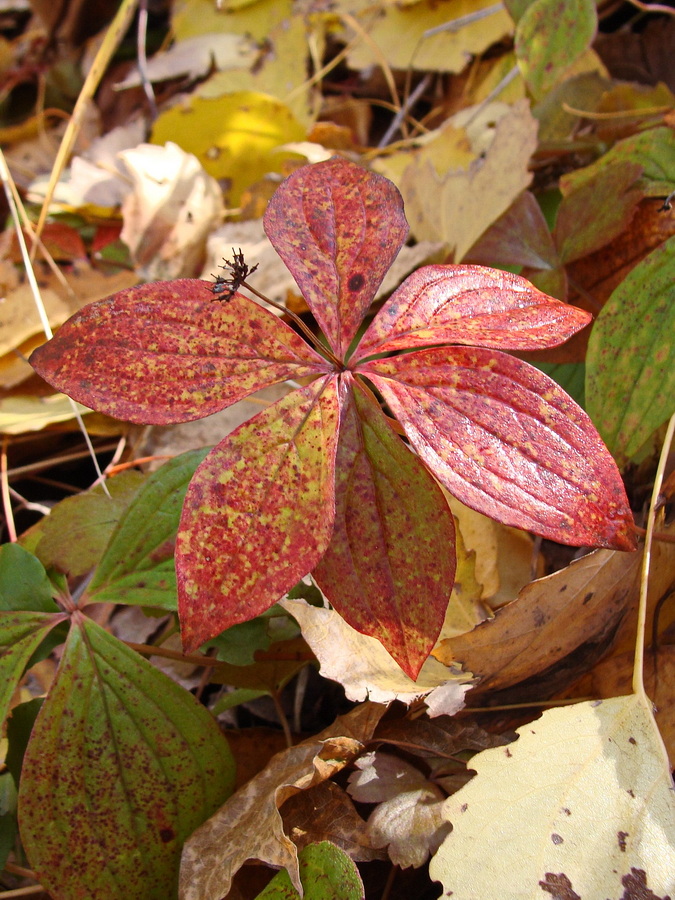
(122, 766)
(338, 228)
(469, 305)
(165, 352)
(390, 566)
(507, 441)
(258, 514)
(138, 566)
(21, 633)
(630, 369)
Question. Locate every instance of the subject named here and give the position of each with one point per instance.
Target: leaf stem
(638, 664)
(326, 352)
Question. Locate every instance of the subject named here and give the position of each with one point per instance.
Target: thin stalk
(326, 352)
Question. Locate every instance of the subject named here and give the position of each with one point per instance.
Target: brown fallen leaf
(549, 620)
(326, 813)
(249, 825)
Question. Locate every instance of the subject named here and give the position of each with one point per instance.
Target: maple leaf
(320, 481)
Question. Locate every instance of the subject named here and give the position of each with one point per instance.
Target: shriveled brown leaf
(551, 618)
(249, 825)
(326, 813)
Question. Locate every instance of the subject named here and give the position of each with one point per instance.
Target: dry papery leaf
(580, 806)
(551, 618)
(249, 826)
(371, 671)
(408, 817)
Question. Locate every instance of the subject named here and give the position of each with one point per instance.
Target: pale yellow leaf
(362, 665)
(21, 329)
(399, 34)
(196, 17)
(582, 805)
(21, 414)
(172, 208)
(236, 137)
(456, 207)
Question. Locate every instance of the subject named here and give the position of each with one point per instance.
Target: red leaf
(164, 352)
(258, 514)
(338, 228)
(390, 566)
(507, 440)
(470, 305)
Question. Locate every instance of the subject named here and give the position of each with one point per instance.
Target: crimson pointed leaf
(258, 513)
(165, 352)
(507, 440)
(390, 565)
(469, 305)
(338, 228)
(122, 766)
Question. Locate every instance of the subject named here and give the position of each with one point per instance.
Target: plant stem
(309, 334)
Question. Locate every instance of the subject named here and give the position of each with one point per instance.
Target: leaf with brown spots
(469, 305)
(258, 514)
(390, 565)
(338, 228)
(507, 441)
(165, 352)
(122, 766)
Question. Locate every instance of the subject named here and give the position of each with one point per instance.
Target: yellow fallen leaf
(399, 35)
(236, 137)
(21, 414)
(457, 206)
(580, 806)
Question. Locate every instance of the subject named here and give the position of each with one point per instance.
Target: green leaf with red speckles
(21, 633)
(630, 368)
(390, 565)
(338, 228)
(138, 565)
(507, 440)
(258, 514)
(122, 766)
(165, 352)
(469, 305)
(326, 873)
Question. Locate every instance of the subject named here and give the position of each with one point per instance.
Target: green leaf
(75, 533)
(23, 581)
(21, 633)
(138, 565)
(7, 817)
(122, 766)
(653, 149)
(19, 728)
(390, 565)
(630, 365)
(237, 645)
(550, 36)
(258, 514)
(326, 873)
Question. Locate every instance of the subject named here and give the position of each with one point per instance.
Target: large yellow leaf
(236, 137)
(581, 806)
(456, 205)
(399, 34)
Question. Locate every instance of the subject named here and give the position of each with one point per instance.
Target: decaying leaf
(550, 619)
(408, 819)
(583, 799)
(371, 671)
(249, 825)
